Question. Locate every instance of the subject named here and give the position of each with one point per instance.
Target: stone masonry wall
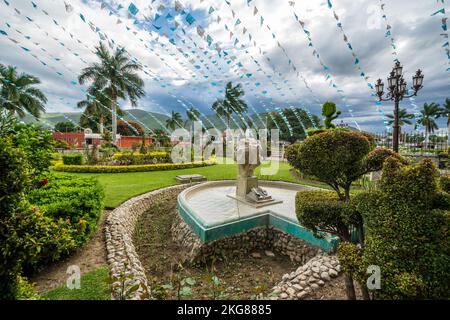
(263, 238)
(124, 264)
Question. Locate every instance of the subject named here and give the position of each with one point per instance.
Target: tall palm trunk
(114, 117)
(448, 131)
(101, 125)
(426, 137)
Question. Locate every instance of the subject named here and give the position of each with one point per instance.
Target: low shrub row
(139, 158)
(131, 168)
(73, 159)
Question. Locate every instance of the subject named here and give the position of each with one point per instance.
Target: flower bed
(131, 168)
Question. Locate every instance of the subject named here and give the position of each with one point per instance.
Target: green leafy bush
(338, 158)
(408, 232)
(291, 152)
(37, 144)
(322, 211)
(73, 159)
(79, 201)
(445, 183)
(27, 237)
(132, 168)
(140, 158)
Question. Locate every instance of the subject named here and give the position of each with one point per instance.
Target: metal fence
(415, 142)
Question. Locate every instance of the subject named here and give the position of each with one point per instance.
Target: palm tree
(231, 103)
(96, 106)
(174, 121)
(403, 118)
(116, 76)
(445, 112)
(18, 94)
(429, 114)
(192, 114)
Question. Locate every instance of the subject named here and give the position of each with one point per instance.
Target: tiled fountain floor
(212, 206)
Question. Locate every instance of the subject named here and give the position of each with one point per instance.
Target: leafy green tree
(124, 129)
(232, 103)
(429, 114)
(65, 126)
(192, 115)
(7, 122)
(445, 112)
(338, 158)
(174, 121)
(96, 110)
(330, 113)
(116, 75)
(298, 119)
(160, 136)
(403, 118)
(18, 93)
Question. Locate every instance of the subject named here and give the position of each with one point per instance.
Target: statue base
(257, 204)
(248, 192)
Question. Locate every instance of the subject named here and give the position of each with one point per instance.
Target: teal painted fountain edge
(268, 218)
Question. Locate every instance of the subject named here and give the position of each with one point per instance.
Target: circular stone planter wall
(128, 275)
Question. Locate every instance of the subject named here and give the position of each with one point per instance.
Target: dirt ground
(91, 256)
(334, 290)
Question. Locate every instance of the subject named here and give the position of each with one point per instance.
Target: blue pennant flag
(211, 10)
(209, 40)
(190, 19)
(133, 9)
(439, 11)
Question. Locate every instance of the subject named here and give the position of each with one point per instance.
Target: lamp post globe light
(397, 91)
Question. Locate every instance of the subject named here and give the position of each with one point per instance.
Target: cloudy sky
(285, 53)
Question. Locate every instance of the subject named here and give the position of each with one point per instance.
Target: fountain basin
(212, 215)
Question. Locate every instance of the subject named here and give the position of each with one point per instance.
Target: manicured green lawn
(93, 286)
(122, 186)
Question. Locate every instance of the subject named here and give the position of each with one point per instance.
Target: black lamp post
(398, 91)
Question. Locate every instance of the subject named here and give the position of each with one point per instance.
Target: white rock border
(126, 271)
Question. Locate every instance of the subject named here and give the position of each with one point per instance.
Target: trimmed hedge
(322, 211)
(73, 159)
(132, 168)
(139, 158)
(78, 201)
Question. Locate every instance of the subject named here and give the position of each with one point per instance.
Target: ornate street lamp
(398, 91)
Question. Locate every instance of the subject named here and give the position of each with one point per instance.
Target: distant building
(81, 139)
